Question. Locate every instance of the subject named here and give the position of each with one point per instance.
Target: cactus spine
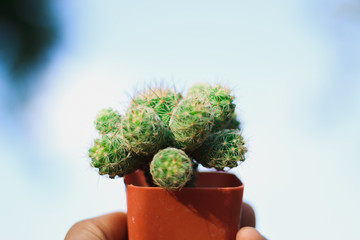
(197, 89)
(222, 149)
(223, 105)
(221, 102)
(111, 157)
(143, 131)
(171, 168)
(162, 100)
(107, 121)
(191, 122)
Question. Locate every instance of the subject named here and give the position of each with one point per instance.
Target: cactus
(107, 121)
(162, 100)
(160, 128)
(222, 149)
(221, 102)
(111, 157)
(223, 105)
(143, 131)
(193, 179)
(191, 122)
(234, 123)
(197, 89)
(171, 168)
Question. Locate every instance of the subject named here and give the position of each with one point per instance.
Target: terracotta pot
(211, 210)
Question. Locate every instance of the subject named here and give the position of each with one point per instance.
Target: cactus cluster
(167, 135)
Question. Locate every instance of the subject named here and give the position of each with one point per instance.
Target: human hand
(247, 229)
(113, 226)
(106, 227)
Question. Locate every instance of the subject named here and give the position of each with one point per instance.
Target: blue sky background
(293, 66)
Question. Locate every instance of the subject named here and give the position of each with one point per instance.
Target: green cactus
(191, 122)
(162, 100)
(221, 101)
(108, 121)
(143, 131)
(223, 105)
(197, 89)
(234, 123)
(202, 125)
(171, 168)
(222, 149)
(193, 179)
(111, 157)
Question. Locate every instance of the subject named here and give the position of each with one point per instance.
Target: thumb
(107, 227)
(249, 233)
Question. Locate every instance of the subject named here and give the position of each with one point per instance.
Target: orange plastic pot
(211, 210)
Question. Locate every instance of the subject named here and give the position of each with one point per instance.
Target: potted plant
(157, 146)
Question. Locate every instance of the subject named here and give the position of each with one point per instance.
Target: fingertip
(247, 216)
(249, 233)
(105, 227)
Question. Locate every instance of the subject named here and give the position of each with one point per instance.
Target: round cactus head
(223, 105)
(221, 100)
(143, 131)
(191, 122)
(197, 89)
(222, 149)
(111, 157)
(162, 100)
(171, 168)
(108, 121)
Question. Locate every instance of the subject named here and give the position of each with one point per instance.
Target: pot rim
(237, 185)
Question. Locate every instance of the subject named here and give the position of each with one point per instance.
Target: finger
(249, 233)
(107, 227)
(247, 216)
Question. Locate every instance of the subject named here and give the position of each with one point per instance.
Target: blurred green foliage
(28, 31)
